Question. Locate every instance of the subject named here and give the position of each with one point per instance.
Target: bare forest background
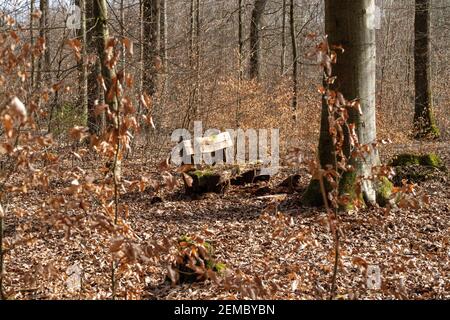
(92, 208)
(202, 58)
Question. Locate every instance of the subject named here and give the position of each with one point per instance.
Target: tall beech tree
(424, 121)
(255, 38)
(348, 23)
(91, 47)
(294, 55)
(151, 29)
(44, 60)
(83, 67)
(283, 37)
(101, 37)
(163, 33)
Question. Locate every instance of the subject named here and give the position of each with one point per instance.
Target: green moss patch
(202, 173)
(407, 159)
(432, 160)
(418, 168)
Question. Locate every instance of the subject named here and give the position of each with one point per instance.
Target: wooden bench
(212, 150)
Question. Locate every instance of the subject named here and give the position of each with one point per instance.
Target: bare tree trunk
(151, 44)
(283, 38)
(347, 25)
(83, 70)
(32, 76)
(294, 57)
(92, 91)
(197, 58)
(191, 31)
(424, 121)
(194, 62)
(101, 34)
(122, 35)
(386, 54)
(44, 60)
(163, 31)
(255, 39)
(142, 47)
(240, 57)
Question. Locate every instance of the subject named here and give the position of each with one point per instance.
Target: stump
(251, 176)
(205, 181)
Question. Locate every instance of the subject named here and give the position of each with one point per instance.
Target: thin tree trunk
(347, 25)
(386, 55)
(122, 35)
(197, 58)
(141, 53)
(101, 38)
(151, 44)
(240, 57)
(294, 57)
(424, 122)
(108, 73)
(83, 65)
(191, 32)
(44, 60)
(283, 38)
(194, 33)
(32, 76)
(163, 31)
(255, 39)
(93, 91)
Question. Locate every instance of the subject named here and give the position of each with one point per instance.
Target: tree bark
(122, 35)
(346, 24)
(44, 60)
(83, 69)
(93, 90)
(424, 121)
(240, 35)
(283, 38)
(101, 38)
(240, 60)
(198, 90)
(255, 39)
(32, 75)
(163, 31)
(294, 57)
(151, 44)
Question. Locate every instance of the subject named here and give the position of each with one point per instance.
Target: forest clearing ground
(411, 247)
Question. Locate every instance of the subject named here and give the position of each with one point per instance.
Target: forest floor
(411, 247)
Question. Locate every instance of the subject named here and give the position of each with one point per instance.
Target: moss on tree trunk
(383, 187)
